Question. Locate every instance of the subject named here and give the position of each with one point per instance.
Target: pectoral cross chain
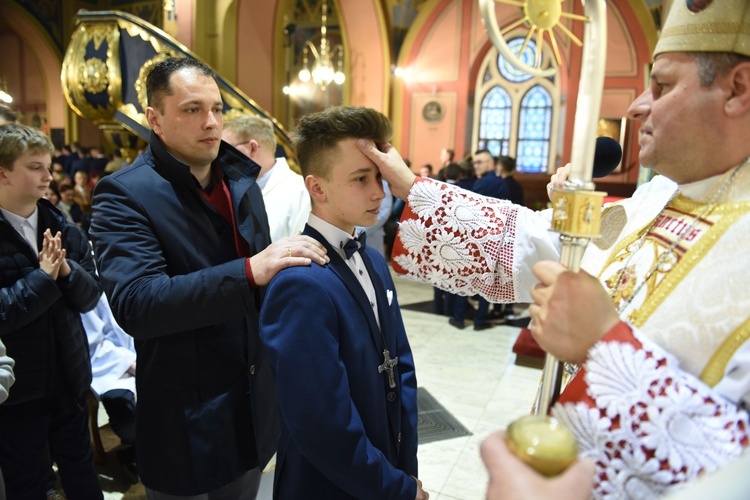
(387, 366)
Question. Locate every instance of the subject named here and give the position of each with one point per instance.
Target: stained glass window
(516, 110)
(510, 72)
(494, 121)
(534, 127)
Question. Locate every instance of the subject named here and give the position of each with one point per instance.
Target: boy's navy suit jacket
(344, 432)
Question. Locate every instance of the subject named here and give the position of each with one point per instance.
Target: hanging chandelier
(4, 95)
(328, 61)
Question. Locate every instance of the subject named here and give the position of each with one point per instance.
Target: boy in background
(344, 369)
(47, 279)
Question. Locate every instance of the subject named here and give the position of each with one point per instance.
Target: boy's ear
(315, 188)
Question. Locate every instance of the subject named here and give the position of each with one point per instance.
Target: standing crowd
(254, 338)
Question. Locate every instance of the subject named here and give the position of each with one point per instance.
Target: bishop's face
(681, 120)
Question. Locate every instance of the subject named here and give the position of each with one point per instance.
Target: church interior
(76, 70)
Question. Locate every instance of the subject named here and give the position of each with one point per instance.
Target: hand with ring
(297, 250)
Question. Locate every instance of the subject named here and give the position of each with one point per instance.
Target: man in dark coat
(47, 278)
(181, 240)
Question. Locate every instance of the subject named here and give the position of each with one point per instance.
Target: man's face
(251, 148)
(190, 122)
(681, 121)
(27, 181)
(483, 163)
(353, 190)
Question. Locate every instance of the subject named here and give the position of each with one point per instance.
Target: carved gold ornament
(92, 75)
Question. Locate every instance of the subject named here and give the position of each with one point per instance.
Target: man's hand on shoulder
(291, 251)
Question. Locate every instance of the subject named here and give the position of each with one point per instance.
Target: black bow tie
(355, 244)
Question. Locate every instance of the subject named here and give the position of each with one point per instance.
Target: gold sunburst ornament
(543, 16)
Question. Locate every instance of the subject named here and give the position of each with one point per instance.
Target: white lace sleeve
(648, 425)
(466, 243)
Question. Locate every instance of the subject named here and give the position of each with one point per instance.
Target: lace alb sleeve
(469, 244)
(648, 425)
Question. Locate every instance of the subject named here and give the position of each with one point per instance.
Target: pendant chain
(670, 251)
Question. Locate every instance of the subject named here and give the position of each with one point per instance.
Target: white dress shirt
(337, 239)
(26, 227)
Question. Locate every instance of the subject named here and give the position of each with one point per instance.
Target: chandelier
(4, 95)
(328, 61)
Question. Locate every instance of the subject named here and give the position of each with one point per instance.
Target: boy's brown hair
(16, 140)
(318, 134)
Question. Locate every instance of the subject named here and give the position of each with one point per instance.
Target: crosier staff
(577, 207)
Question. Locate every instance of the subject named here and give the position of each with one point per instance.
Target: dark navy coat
(40, 318)
(206, 409)
(344, 432)
(491, 184)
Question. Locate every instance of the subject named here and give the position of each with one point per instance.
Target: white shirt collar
(18, 223)
(335, 236)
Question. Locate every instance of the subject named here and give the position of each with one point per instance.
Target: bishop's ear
(739, 101)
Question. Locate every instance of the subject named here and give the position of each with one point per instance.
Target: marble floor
(471, 373)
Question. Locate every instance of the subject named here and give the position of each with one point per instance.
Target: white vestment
(112, 350)
(661, 400)
(286, 199)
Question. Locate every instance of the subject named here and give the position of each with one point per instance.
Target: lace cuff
(458, 241)
(648, 425)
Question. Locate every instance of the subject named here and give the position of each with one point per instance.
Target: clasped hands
(52, 257)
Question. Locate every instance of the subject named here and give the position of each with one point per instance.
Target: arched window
(494, 121)
(534, 130)
(515, 112)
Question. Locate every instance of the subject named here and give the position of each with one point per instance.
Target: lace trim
(652, 426)
(459, 241)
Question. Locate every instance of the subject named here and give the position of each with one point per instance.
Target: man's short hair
(7, 114)
(253, 127)
(158, 80)
(467, 169)
(483, 150)
(452, 171)
(16, 140)
(318, 134)
(507, 163)
(451, 153)
(713, 64)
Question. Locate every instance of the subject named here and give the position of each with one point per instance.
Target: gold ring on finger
(288, 251)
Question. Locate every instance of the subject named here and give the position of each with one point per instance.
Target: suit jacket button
(251, 369)
(399, 437)
(391, 396)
